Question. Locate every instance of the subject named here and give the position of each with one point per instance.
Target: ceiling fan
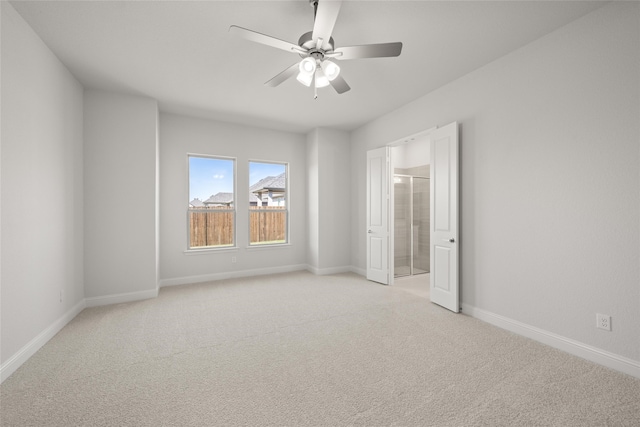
(317, 49)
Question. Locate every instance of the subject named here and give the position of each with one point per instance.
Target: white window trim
(287, 192)
(198, 250)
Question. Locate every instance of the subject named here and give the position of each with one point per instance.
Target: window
(268, 201)
(212, 208)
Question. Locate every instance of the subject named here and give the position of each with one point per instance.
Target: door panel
(444, 217)
(376, 175)
(442, 183)
(378, 215)
(376, 253)
(442, 264)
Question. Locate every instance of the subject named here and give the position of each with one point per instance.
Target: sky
(209, 176)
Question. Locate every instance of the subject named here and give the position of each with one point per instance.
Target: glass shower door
(402, 225)
(420, 253)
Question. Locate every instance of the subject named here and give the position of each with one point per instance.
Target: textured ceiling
(181, 53)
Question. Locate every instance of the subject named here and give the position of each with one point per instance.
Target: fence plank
(215, 227)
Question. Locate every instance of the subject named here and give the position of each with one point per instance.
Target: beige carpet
(297, 349)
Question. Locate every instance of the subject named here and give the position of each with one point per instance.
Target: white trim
(330, 270)
(358, 270)
(287, 204)
(268, 246)
(210, 250)
(230, 275)
(576, 348)
(15, 361)
(120, 298)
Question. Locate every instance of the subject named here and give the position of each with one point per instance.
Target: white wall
(334, 166)
(120, 185)
(313, 200)
(412, 154)
(549, 184)
(181, 135)
(42, 199)
(329, 177)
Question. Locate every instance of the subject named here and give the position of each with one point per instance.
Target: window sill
(270, 246)
(210, 250)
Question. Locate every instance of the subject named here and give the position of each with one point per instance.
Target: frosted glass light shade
(331, 69)
(307, 69)
(321, 79)
(305, 78)
(307, 66)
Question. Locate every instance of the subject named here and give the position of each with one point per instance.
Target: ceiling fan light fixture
(330, 69)
(316, 46)
(307, 69)
(307, 66)
(321, 79)
(305, 78)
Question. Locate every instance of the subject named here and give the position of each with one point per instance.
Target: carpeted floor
(297, 349)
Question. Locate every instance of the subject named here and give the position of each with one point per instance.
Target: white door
(378, 215)
(444, 217)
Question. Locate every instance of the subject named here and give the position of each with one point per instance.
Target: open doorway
(410, 210)
(444, 247)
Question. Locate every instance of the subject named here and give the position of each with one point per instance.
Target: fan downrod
(314, 5)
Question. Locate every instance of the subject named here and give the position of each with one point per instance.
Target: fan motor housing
(306, 42)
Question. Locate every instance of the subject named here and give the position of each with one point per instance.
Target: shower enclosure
(411, 225)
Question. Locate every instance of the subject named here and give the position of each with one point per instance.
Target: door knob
(452, 240)
(369, 231)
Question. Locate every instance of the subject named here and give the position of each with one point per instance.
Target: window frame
(234, 245)
(287, 240)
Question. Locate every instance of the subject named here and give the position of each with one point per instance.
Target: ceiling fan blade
(339, 84)
(264, 39)
(326, 16)
(289, 72)
(380, 50)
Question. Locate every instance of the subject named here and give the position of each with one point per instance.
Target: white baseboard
(120, 298)
(358, 270)
(230, 275)
(11, 365)
(576, 348)
(330, 270)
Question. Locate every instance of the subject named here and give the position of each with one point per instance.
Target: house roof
(270, 183)
(196, 203)
(277, 183)
(219, 198)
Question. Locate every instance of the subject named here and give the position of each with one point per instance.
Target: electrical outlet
(233, 259)
(603, 321)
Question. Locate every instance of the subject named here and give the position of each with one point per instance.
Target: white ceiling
(181, 53)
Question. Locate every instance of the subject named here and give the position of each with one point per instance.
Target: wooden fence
(209, 227)
(267, 224)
